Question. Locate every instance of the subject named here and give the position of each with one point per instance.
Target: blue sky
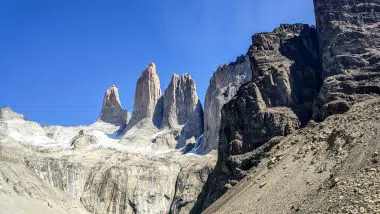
(57, 57)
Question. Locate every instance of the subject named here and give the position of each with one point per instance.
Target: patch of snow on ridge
(16, 136)
(60, 137)
(103, 138)
(160, 133)
(194, 151)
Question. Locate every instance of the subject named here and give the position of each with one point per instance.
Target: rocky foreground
(327, 167)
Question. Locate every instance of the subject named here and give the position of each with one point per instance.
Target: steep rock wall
(286, 78)
(147, 97)
(182, 108)
(224, 84)
(349, 38)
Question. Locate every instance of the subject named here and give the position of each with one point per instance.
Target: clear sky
(57, 57)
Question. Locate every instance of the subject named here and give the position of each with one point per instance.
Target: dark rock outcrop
(286, 78)
(349, 37)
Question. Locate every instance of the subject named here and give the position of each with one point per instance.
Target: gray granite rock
(224, 84)
(83, 139)
(112, 111)
(147, 95)
(182, 108)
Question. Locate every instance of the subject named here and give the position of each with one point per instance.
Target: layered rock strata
(349, 38)
(224, 84)
(112, 111)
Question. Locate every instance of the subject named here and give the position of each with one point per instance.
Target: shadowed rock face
(349, 37)
(224, 84)
(147, 95)
(285, 81)
(112, 111)
(182, 106)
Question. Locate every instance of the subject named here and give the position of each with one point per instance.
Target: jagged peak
(285, 29)
(112, 95)
(151, 68)
(6, 113)
(147, 94)
(176, 76)
(112, 111)
(182, 107)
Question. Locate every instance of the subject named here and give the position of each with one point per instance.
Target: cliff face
(224, 84)
(349, 38)
(147, 95)
(124, 183)
(182, 107)
(276, 102)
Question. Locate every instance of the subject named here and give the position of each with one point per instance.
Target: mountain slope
(328, 167)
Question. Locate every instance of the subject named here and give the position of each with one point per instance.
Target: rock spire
(112, 111)
(182, 106)
(147, 94)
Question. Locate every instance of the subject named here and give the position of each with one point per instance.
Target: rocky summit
(295, 122)
(112, 111)
(182, 107)
(147, 95)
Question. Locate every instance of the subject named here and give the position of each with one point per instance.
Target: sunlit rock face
(224, 84)
(112, 111)
(147, 96)
(125, 183)
(182, 107)
(348, 33)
